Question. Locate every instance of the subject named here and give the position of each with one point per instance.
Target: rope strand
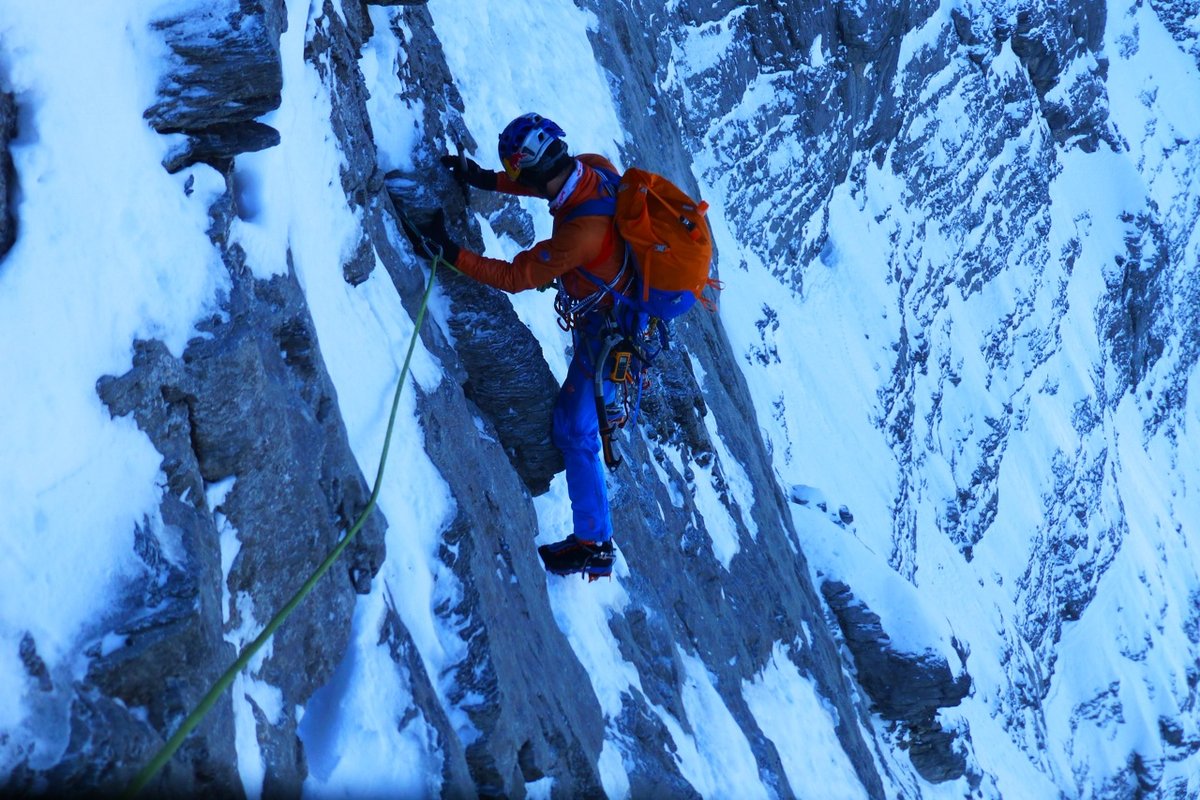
(226, 680)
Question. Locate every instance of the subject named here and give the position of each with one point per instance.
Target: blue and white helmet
(533, 145)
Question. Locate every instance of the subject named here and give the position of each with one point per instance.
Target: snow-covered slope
(1000, 318)
(913, 516)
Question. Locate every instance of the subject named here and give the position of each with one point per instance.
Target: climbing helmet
(531, 143)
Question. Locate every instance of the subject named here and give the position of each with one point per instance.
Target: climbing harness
(571, 309)
(626, 336)
(623, 358)
(226, 680)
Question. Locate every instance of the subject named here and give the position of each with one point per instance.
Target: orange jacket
(572, 244)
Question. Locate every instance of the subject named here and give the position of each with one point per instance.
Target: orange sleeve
(574, 244)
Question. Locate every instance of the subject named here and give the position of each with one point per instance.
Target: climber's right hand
(464, 169)
(430, 240)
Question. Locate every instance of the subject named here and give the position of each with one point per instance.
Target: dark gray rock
(225, 71)
(508, 379)
(269, 417)
(333, 50)
(503, 372)
(35, 667)
(8, 177)
(217, 144)
(1136, 327)
(908, 688)
(513, 221)
(1047, 42)
(654, 771)
(249, 400)
(360, 264)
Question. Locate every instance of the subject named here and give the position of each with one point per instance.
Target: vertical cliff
(910, 516)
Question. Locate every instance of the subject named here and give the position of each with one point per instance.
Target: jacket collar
(568, 188)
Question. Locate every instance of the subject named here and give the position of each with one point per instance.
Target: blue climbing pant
(576, 432)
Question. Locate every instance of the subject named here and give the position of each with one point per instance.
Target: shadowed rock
(908, 688)
(8, 178)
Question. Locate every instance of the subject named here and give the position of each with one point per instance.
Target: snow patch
(717, 759)
(912, 622)
(110, 249)
(802, 725)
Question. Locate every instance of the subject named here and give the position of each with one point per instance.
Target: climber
(536, 163)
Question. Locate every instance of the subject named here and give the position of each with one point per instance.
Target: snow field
(827, 356)
(785, 705)
(110, 248)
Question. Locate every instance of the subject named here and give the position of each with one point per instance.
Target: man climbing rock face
(584, 251)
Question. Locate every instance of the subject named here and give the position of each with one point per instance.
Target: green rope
(226, 680)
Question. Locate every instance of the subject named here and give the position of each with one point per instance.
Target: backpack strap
(596, 207)
(605, 206)
(610, 179)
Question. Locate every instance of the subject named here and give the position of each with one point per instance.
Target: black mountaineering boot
(572, 555)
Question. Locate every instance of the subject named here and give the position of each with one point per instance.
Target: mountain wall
(1013, 197)
(922, 484)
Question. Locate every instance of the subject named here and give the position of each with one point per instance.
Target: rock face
(251, 396)
(908, 688)
(8, 129)
(668, 620)
(251, 403)
(226, 72)
(248, 403)
(974, 123)
(248, 408)
(1179, 18)
(505, 375)
(503, 372)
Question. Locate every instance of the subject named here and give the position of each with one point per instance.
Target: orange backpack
(668, 239)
